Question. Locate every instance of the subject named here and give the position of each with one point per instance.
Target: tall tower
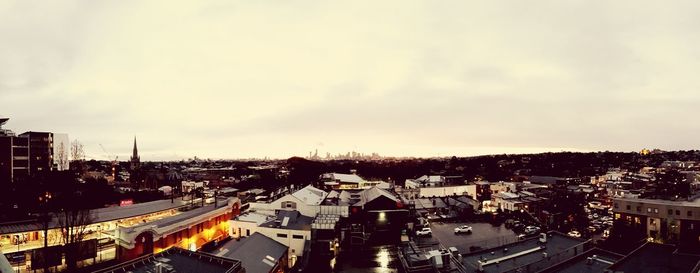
(135, 159)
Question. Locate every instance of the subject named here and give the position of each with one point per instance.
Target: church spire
(135, 158)
(136, 151)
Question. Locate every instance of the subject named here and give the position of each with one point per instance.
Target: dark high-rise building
(14, 155)
(40, 151)
(135, 159)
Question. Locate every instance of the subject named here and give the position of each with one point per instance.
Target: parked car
(426, 231)
(531, 229)
(519, 228)
(574, 233)
(510, 223)
(463, 229)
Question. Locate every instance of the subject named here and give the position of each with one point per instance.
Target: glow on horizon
(234, 79)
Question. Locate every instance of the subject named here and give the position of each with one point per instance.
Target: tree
(77, 154)
(73, 218)
(62, 157)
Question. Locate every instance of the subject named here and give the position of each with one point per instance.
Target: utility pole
(44, 200)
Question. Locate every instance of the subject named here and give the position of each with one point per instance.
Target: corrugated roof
(101, 215)
(372, 193)
(347, 178)
(310, 195)
(253, 251)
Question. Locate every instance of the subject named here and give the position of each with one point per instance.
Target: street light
(99, 235)
(18, 260)
(44, 199)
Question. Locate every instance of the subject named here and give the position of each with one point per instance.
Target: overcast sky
(239, 79)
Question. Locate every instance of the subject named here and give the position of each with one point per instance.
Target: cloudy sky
(239, 79)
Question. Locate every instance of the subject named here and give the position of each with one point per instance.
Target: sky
(243, 79)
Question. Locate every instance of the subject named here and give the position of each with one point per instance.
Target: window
(690, 213)
(649, 210)
(298, 236)
(629, 207)
(616, 205)
(289, 205)
(656, 211)
(670, 212)
(639, 208)
(678, 212)
(281, 235)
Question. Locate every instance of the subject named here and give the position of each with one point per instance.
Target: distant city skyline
(219, 79)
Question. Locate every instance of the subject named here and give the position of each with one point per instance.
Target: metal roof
(253, 252)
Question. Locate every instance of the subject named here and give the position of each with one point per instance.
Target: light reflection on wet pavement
(380, 259)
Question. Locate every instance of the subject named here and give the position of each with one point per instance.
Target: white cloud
(240, 79)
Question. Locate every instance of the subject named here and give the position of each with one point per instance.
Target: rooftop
(177, 260)
(520, 253)
(372, 193)
(258, 253)
(310, 195)
(690, 202)
(101, 215)
(289, 220)
(345, 178)
(657, 258)
(592, 261)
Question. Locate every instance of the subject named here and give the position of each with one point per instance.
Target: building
(257, 253)
(189, 230)
(14, 155)
(40, 151)
(594, 260)
(288, 227)
(437, 186)
(23, 155)
(664, 221)
(104, 227)
(5, 266)
(307, 201)
(339, 181)
(526, 256)
(376, 215)
(656, 258)
(177, 260)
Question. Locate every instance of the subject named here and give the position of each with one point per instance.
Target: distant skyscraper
(135, 159)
